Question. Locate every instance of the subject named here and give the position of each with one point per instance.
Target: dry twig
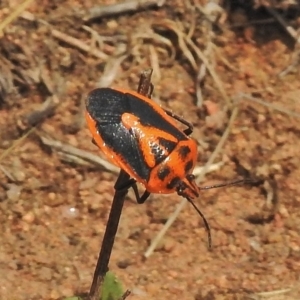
(171, 25)
(125, 295)
(211, 168)
(184, 43)
(201, 73)
(17, 11)
(16, 143)
(147, 33)
(112, 68)
(211, 70)
(274, 293)
(154, 64)
(67, 38)
(121, 8)
(269, 105)
(37, 116)
(68, 149)
(78, 44)
(291, 31)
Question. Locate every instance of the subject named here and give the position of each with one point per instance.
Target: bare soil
(54, 206)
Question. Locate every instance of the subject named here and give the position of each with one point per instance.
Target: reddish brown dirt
(49, 252)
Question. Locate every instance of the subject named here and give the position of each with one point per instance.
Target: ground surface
(54, 206)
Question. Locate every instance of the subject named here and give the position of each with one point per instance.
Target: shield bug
(144, 140)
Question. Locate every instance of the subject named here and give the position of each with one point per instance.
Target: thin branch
(274, 293)
(68, 149)
(67, 38)
(16, 143)
(78, 44)
(125, 295)
(201, 73)
(165, 228)
(211, 70)
(269, 105)
(212, 168)
(111, 70)
(290, 30)
(37, 116)
(183, 42)
(11, 17)
(171, 25)
(219, 146)
(121, 8)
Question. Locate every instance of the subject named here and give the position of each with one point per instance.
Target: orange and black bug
(143, 139)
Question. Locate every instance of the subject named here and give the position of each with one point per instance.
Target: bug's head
(187, 187)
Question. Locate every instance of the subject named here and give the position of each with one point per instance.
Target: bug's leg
(144, 197)
(132, 183)
(93, 141)
(125, 185)
(140, 199)
(189, 126)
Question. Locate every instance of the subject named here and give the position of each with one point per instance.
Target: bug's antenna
(247, 180)
(207, 228)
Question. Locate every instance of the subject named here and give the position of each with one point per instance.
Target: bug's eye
(190, 177)
(181, 188)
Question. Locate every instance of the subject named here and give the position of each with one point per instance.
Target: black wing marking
(149, 117)
(121, 141)
(106, 107)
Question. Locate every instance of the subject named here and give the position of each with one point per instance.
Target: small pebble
(54, 294)
(69, 212)
(152, 288)
(169, 244)
(19, 175)
(52, 196)
(66, 291)
(54, 200)
(87, 184)
(14, 191)
(29, 217)
(112, 24)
